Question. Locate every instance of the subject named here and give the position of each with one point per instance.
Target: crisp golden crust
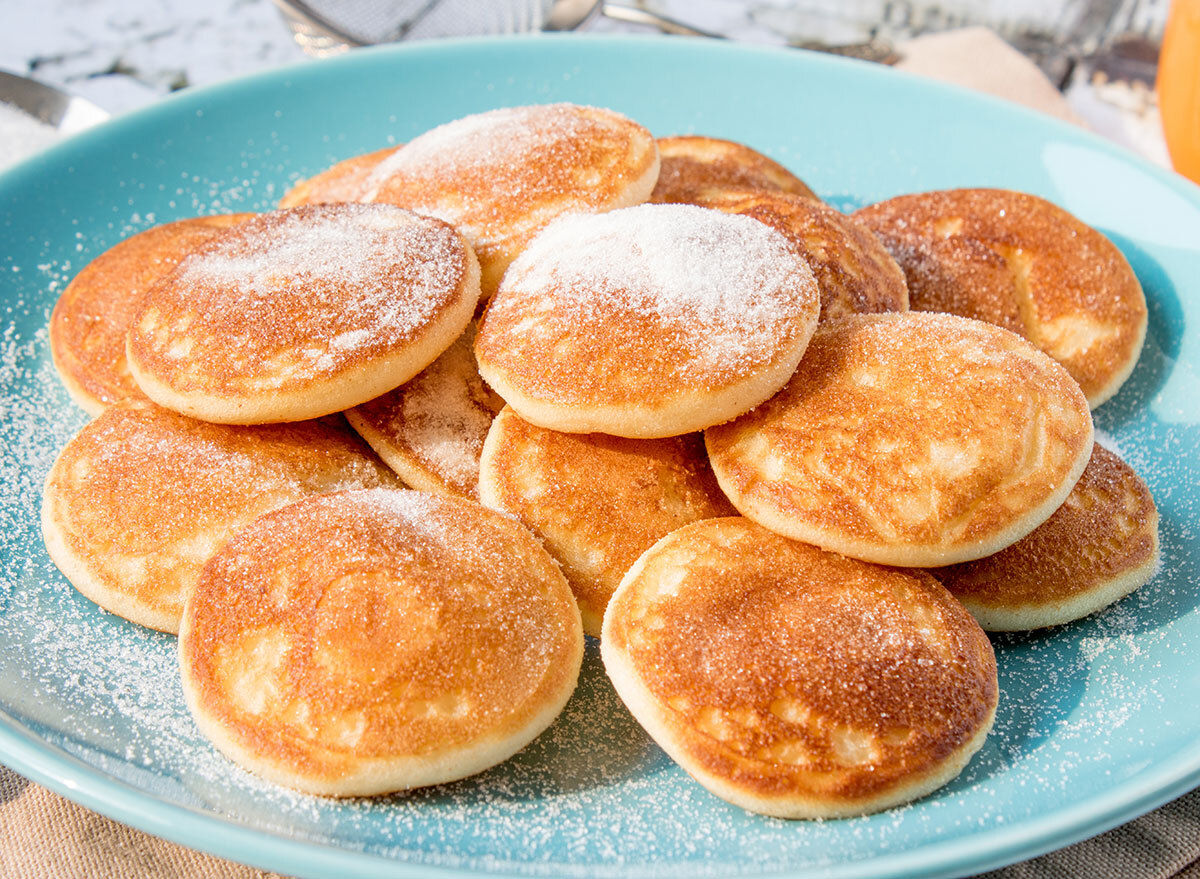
(691, 163)
(345, 181)
(299, 313)
(1022, 263)
(652, 321)
(141, 498)
(909, 439)
(793, 681)
(368, 642)
(93, 315)
(565, 488)
(855, 274)
(1099, 546)
(501, 176)
(431, 429)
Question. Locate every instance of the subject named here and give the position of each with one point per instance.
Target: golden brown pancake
(374, 641)
(647, 322)
(795, 682)
(345, 181)
(499, 177)
(93, 315)
(431, 429)
(597, 501)
(691, 164)
(142, 497)
(1022, 263)
(303, 312)
(1099, 546)
(909, 439)
(855, 273)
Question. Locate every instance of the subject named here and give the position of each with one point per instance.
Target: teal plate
(1098, 721)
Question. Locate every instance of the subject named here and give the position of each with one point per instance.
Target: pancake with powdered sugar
(93, 315)
(566, 486)
(855, 273)
(911, 439)
(375, 641)
(692, 163)
(342, 182)
(797, 682)
(1025, 264)
(647, 322)
(1099, 546)
(499, 177)
(303, 312)
(431, 429)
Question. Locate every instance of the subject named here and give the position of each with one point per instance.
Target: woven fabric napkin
(43, 835)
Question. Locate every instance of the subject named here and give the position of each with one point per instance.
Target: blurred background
(1102, 54)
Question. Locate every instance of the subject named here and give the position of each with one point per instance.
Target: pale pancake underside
(303, 312)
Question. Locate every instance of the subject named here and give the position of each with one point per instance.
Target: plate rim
(52, 767)
(49, 765)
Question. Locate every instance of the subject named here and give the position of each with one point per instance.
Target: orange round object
(1179, 86)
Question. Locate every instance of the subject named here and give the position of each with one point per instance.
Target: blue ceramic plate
(1098, 721)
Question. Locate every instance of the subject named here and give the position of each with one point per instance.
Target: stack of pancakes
(652, 391)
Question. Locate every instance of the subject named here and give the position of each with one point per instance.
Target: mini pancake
(855, 273)
(795, 682)
(376, 641)
(345, 181)
(431, 429)
(1099, 546)
(304, 312)
(500, 176)
(691, 164)
(652, 321)
(93, 315)
(142, 497)
(1022, 263)
(566, 488)
(909, 439)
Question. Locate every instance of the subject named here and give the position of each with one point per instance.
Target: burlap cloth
(43, 835)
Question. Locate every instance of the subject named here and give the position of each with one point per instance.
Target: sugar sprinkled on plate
(22, 135)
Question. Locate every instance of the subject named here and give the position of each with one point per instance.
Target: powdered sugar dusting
(447, 435)
(443, 415)
(22, 135)
(415, 509)
(733, 286)
(494, 140)
(294, 294)
(353, 246)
